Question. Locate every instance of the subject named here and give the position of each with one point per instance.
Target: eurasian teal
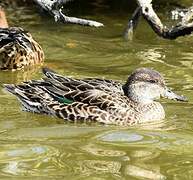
(17, 47)
(100, 100)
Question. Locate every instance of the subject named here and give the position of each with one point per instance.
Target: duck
(97, 100)
(18, 49)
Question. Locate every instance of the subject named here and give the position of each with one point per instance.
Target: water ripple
(102, 151)
(173, 142)
(22, 160)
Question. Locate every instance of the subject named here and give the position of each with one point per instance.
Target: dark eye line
(152, 81)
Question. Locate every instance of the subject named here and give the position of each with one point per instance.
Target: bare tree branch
(54, 8)
(132, 24)
(185, 27)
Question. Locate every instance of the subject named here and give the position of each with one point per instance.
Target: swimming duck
(100, 100)
(17, 47)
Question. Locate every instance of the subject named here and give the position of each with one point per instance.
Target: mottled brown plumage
(17, 47)
(100, 100)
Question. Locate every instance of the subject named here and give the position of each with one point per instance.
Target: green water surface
(36, 146)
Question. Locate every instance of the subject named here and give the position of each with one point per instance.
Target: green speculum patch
(65, 100)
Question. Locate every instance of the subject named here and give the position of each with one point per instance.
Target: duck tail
(10, 88)
(47, 71)
(30, 97)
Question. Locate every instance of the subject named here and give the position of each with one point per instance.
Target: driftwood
(185, 27)
(54, 8)
(145, 9)
(132, 24)
(179, 13)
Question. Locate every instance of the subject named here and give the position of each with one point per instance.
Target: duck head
(146, 85)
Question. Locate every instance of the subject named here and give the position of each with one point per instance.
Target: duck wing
(18, 49)
(15, 35)
(97, 92)
(73, 99)
(83, 84)
(35, 99)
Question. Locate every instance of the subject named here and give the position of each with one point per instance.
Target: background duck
(17, 47)
(100, 100)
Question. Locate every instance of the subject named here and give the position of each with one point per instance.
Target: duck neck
(3, 19)
(135, 95)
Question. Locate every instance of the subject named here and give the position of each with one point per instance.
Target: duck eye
(152, 81)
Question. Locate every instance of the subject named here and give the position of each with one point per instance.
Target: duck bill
(173, 96)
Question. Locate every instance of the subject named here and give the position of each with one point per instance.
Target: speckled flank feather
(86, 100)
(18, 49)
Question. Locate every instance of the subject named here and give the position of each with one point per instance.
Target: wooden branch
(178, 13)
(188, 17)
(54, 8)
(185, 27)
(132, 24)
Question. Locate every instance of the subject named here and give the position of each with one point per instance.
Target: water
(42, 147)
